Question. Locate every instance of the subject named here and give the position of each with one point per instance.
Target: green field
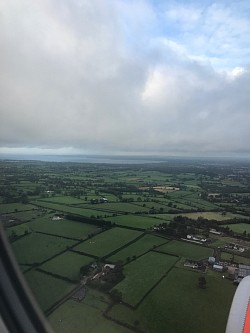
(143, 245)
(187, 250)
(178, 305)
(118, 207)
(142, 274)
(67, 264)
(239, 227)
(85, 316)
(26, 215)
(47, 289)
(136, 221)
(107, 241)
(213, 216)
(15, 207)
(235, 258)
(18, 230)
(71, 210)
(35, 248)
(63, 227)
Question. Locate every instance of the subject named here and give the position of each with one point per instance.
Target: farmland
(122, 235)
(142, 274)
(107, 241)
(67, 265)
(195, 305)
(144, 244)
(35, 248)
(187, 250)
(64, 228)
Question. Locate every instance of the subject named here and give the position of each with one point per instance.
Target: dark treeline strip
(98, 222)
(55, 235)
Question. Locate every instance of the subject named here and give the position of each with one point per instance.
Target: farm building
(215, 232)
(196, 238)
(218, 268)
(244, 270)
(109, 266)
(211, 260)
(231, 270)
(103, 200)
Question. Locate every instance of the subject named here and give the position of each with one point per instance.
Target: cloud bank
(125, 76)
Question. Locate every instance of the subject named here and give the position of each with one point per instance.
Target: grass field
(178, 305)
(64, 228)
(118, 207)
(35, 248)
(19, 230)
(14, 207)
(67, 264)
(143, 245)
(235, 258)
(218, 241)
(239, 227)
(213, 216)
(27, 215)
(187, 250)
(47, 289)
(136, 221)
(85, 316)
(107, 241)
(142, 274)
(71, 210)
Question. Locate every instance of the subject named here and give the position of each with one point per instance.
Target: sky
(125, 77)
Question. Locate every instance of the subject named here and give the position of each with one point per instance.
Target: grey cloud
(71, 78)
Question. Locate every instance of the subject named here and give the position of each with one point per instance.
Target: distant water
(83, 158)
(114, 159)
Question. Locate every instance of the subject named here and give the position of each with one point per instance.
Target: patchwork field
(47, 289)
(71, 210)
(15, 207)
(178, 305)
(18, 230)
(118, 207)
(107, 241)
(64, 228)
(67, 264)
(239, 227)
(187, 250)
(26, 215)
(158, 294)
(143, 245)
(35, 248)
(136, 221)
(213, 216)
(142, 274)
(74, 317)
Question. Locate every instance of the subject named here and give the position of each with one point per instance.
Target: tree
(202, 282)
